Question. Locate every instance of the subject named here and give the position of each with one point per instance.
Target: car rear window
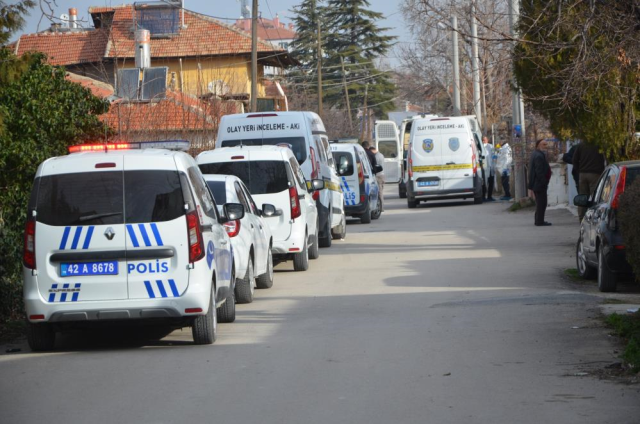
(344, 163)
(218, 188)
(260, 177)
(296, 144)
(99, 198)
(632, 174)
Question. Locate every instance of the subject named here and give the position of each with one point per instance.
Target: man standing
(539, 176)
(503, 166)
(379, 175)
(589, 163)
(372, 157)
(491, 169)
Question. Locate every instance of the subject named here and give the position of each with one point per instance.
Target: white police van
(305, 134)
(126, 232)
(359, 184)
(443, 161)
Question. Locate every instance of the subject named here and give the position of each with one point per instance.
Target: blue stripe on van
(145, 237)
(87, 239)
(156, 234)
(76, 238)
(52, 296)
(163, 292)
(74, 298)
(174, 289)
(65, 237)
(132, 235)
(147, 284)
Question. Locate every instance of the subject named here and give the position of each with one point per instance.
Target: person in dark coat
(539, 176)
(370, 155)
(589, 162)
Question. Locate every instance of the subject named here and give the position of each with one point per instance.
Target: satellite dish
(64, 18)
(218, 87)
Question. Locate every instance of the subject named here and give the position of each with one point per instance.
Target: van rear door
(80, 232)
(347, 166)
(156, 228)
(425, 158)
(457, 158)
(388, 143)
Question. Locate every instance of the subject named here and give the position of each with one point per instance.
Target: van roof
(262, 152)
(315, 122)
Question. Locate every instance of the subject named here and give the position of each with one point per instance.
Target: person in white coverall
(491, 168)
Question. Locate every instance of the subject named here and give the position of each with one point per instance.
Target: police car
(126, 231)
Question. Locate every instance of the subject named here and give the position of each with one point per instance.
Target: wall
(558, 192)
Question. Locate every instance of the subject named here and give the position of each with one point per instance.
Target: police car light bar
(181, 145)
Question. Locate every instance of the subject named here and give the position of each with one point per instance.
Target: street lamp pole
(477, 106)
(254, 56)
(456, 66)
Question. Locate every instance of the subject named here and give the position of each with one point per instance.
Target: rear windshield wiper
(97, 215)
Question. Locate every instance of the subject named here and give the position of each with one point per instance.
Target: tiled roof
(98, 88)
(203, 36)
(178, 112)
(276, 34)
(66, 48)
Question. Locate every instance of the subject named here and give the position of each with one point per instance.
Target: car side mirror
(377, 169)
(233, 211)
(582, 200)
(317, 185)
(270, 210)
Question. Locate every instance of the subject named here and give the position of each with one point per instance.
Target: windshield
(260, 177)
(296, 144)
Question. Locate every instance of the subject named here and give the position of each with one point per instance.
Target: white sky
(227, 9)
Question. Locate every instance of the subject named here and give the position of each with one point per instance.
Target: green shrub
(629, 216)
(628, 327)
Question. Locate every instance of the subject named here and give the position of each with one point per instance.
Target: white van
(443, 161)
(273, 176)
(304, 133)
(387, 141)
(405, 132)
(126, 232)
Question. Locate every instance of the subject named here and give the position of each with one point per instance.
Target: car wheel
(376, 214)
(314, 251)
(265, 280)
(205, 327)
(301, 260)
(606, 278)
(326, 241)
(41, 337)
(246, 287)
(402, 190)
(343, 229)
(584, 269)
(227, 312)
(412, 203)
(365, 218)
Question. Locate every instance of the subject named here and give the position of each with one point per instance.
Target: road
(449, 313)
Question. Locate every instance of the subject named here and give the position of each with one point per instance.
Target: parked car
(305, 134)
(121, 234)
(600, 250)
(251, 238)
(359, 185)
(273, 176)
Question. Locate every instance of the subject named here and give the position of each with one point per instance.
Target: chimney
(143, 48)
(290, 27)
(276, 21)
(73, 18)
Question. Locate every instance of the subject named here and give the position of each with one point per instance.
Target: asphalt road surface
(448, 313)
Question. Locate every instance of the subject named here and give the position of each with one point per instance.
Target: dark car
(600, 249)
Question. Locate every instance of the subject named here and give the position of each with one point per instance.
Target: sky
(229, 9)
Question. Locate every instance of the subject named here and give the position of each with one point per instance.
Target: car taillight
(360, 174)
(294, 202)
(622, 180)
(232, 227)
(315, 166)
(29, 252)
(196, 251)
(362, 197)
(473, 160)
(409, 163)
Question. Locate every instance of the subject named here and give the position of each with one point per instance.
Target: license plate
(89, 268)
(428, 183)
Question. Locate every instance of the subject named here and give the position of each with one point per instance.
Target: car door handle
(451, 163)
(207, 227)
(223, 242)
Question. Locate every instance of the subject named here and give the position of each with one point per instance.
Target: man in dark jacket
(589, 162)
(539, 176)
(370, 155)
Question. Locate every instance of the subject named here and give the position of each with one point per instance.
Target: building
(202, 55)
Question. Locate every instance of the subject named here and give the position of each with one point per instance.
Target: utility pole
(456, 67)
(319, 70)
(346, 94)
(517, 106)
(364, 111)
(477, 106)
(254, 56)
